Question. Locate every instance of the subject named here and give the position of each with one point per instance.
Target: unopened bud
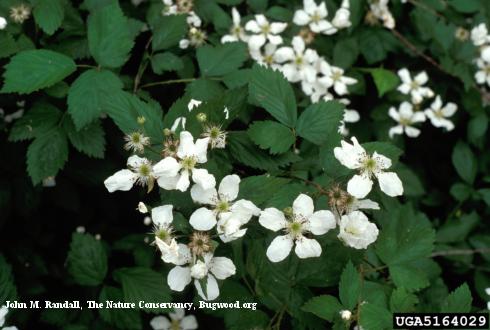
(201, 117)
(147, 221)
(141, 120)
(142, 208)
(167, 132)
(345, 314)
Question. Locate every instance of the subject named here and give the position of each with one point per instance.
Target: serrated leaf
(90, 94)
(269, 89)
(222, 59)
(349, 286)
(168, 31)
(271, 135)
(8, 46)
(324, 306)
(464, 162)
(109, 37)
(8, 291)
(87, 260)
(409, 277)
(374, 317)
(402, 301)
(458, 301)
(121, 318)
(385, 149)
(320, 121)
(259, 189)
(41, 118)
(47, 155)
(31, 70)
(90, 140)
(143, 284)
(166, 62)
(385, 80)
(48, 14)
(406, 237)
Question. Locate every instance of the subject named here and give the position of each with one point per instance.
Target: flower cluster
(481, 40)
(410, 113)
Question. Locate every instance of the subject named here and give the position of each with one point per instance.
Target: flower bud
(201, 117)
(141, 120)
(345, 314)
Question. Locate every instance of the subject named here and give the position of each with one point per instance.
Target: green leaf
(48, 14)
(402, 301)
(259, 189)
(8, 46)
(384, 148)
(90, 140)
(90, 94)
(271, 135)
(464, 162)
(407, 236)
(324, 306)
(466, 6)
(320, 121)
(121, 318)
(385, 80)
(458, 301)
(349, 286)
(47, 155)
(409, 277)
(87, 260)
(31, 70)
(8, 291)
(345, 52)
(485, 194)
(166, 62)
(222, 59)
(444, 34)
(41, 118)
(270, 90)
(457, 229)
(168, 31)
(143, 284)
(374, 317)
(109, 37)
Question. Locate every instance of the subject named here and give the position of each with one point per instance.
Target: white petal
(202, 219)
(189, 323)
(412, 131)
(382, 161)
(277, 28)
(236, 16)
(178, 314)
(203, 178)
(321, 222)
(395, 130)
(244, 209)
(162, 215)
(168, 167)
(449, 109)
(274, 39)
(168, 183)
(183, 181)
(390, 184)
(359, 186)
(303, 204)
(280, 248)
(222, 267)
(256, 41)
(273, 219)
(298, 45)
(394, 114)
(421, 78)
(204, 196)
(178, 278)
(160, 323)
(135, 161)
(229, 186)
(252, 26)
(367, 204)
(121, 180)
(186, 145)
(201, 148)
(284, 54)
(301, 18)
(212, 289)
(307, 248)
(404, 75)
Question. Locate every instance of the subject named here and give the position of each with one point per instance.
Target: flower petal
(204, 196)
(202, 219)
(229, 186)
(160, 323)
(222, 267)
(183, 181)
(212, 289)
(273, 219)
(303, 204)
(168, 167)
(202, 177)
(178, 278)
(279, 248)
(189, 322)
(121, 180)
(359, 186)
(321, 222)
(162, 215)
(307, 248)
(390, 184)
(301, 18)
(186, 145)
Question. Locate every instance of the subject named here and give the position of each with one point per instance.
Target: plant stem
(168, 82)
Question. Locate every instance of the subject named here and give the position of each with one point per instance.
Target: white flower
(222, 202)
(169, 8)
(299, 221)
(350, 116)
(438, 114)
(341, 19)
(314, 16)
(3, 312)
(334, 76)
(142, 208)
(406, 117)
(136, 142)
(479, 34)
(172, 252)
(174, 173)
(379, 9)
(178, 320)
(482, 76)
(193, 104)
(3, 23)
(356, 231)
(193, 20)
(264, 31)
(414, 87)
(237, 32)
(300, 62)
(140, 172)
(345, 314)
(207, 271)
(217, 137)
(178, 121)
(354, 156)
(266, 57)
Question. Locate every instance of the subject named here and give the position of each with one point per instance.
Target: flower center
(268, 59)
(214, 133)
(352, 230)
(299, 60)
(266, 28)
(336, 75)
(188, 163)
(175, 325)
(236, 30)
(316, 17)
(136, 137)
(163, 234)
(405, 121)
(414, 85)
(144, 170)
(222, 206)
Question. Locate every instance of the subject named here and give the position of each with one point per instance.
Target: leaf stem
(168, 82)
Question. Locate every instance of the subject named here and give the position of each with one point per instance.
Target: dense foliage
(209, 150)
